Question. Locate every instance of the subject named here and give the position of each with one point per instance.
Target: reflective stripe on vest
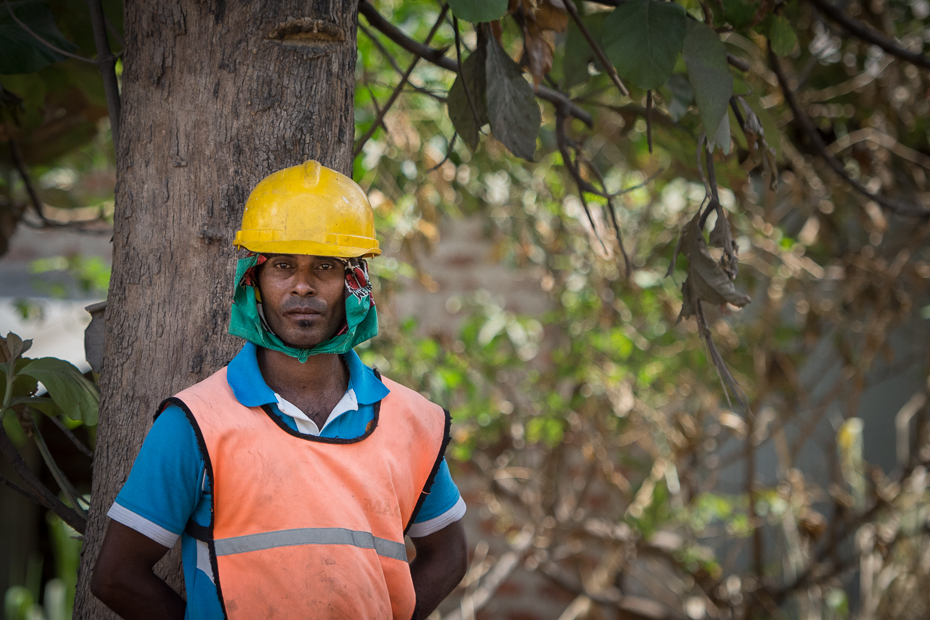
(309, 527)
(311, 536)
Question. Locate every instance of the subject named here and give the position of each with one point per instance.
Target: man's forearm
(432, 581)
(123, 577)
(141, 597)
(441, 561)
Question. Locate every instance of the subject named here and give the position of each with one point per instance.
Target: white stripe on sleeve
(419, 530)
(142, 525)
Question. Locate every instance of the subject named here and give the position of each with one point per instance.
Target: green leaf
(46, 406)
(24, 386)
(681, 96)
(722, 135)
(782, 36)
(578, 53)
(12, 347)
(476, 11)
(77, 397)
(706, 59)
(512, 108)
(739, 13)
(460, 111)
(643, 40)
(20, 52)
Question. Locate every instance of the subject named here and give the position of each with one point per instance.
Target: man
(293, 474)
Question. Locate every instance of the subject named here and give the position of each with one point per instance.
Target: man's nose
(304, 284)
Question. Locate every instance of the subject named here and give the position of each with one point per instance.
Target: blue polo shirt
(169, 485)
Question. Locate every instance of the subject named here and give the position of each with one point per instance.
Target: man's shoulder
(216, 382)
(413, 397)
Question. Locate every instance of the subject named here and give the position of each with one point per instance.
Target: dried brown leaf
(551, 15)
(538, 48)
(707, 280)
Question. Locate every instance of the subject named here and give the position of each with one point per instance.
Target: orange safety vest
(313, 527)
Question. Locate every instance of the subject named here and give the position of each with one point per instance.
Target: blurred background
(610, 469)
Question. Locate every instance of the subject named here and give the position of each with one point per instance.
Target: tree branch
(106, 63)
(38, 491)
(400, 87)
(608, 66)
(17, 155)
(439, 58)
(9, 483)
(72, 437)
(387, 55)
(807, 126)
(867, 34)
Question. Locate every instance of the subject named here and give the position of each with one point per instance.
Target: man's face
(303, 297)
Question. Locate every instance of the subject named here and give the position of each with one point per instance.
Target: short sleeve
(166, 481)
(443, 505)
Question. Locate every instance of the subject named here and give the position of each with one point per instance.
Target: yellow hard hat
(308, 209)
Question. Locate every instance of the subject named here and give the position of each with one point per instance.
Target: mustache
(314, 305)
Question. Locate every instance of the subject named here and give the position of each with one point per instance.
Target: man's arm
(124, 581)
(441, 562)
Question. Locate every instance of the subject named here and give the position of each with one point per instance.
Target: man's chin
(306, 340)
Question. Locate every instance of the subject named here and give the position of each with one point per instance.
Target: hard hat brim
(311, 248)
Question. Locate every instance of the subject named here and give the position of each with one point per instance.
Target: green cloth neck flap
(361, 315)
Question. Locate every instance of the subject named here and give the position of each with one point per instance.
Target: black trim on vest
(197, 531)
(432, 475)
(416, 611)
(335, 440)
(205, 532)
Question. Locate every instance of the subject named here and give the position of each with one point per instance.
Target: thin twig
(63, 483)
(448, 153)
(38, 491)
(439, 58)
(50, 46)
(601, 56)
(649, 119)
(612, 206)
(9, 483)
(574, 172)
(72, 437)
(738, 62)
(17, 156)
(400, 87)
(387, 55)
(106, 63)
(807, 126)
(867, 34)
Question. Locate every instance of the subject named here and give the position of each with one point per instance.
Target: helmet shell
(308, 209)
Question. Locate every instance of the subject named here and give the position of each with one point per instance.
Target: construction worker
(292, 475)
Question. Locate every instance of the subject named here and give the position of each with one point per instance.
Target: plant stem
(63, 483)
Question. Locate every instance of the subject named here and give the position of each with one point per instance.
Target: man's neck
(314, 386)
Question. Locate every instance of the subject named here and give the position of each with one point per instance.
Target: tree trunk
(215, 97)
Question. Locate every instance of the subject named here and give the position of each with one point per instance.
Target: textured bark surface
(216, 96)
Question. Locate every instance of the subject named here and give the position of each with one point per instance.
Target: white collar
(305, 425)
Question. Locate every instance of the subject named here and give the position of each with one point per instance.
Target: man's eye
(326, 266)
(282, 265)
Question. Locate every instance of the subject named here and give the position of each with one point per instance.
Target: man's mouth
(302, 314)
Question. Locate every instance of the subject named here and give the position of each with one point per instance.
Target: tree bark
(215, 97)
